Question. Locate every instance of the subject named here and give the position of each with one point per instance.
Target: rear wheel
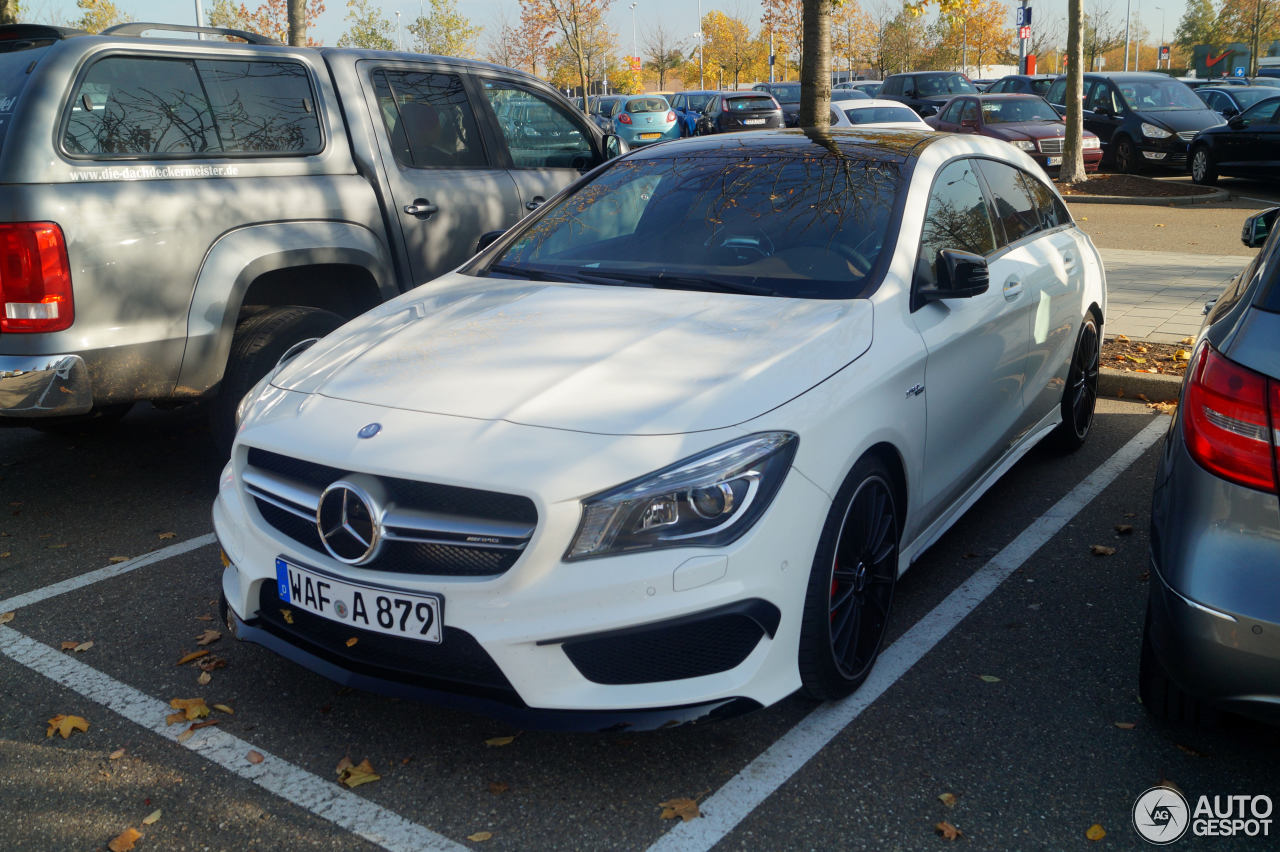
(260, 340)
(1080, 394)
(851, 583)
(1202, 168)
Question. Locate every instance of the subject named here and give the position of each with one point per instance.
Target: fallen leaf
(151, 818)
(66, 724)
(1120, 338)
(164, 536)
(1159, 226)
(1143, 397)
(345, 763)
(686, 809)
(204, 678)
(6, 617)
(116, 560)
(947, 830)
(1101, 550)
(1125, 726)
(124, 841)
(1182, 355)
(116, 755)
(83, 646)
(67, 646)
(1124, 529)
(204, 618)
(287, 615)
(222, 708)
(480, 836)
(497, 787)
(186, 658)
(499, 741)
(192, 708)
(208, 664)
(187, 734)
(989, 678)
(354, 776)
(1095, 832)
(948, 799)
(1188, 750)
(254, 757)
(353, 640)
(208, 637)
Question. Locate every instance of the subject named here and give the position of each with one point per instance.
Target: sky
(679, 17)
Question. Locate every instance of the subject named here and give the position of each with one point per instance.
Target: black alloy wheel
(1080, 395)
(851, 585)
(1126, 158)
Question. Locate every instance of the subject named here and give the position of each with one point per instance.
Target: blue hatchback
(689, 106)
(643, 119)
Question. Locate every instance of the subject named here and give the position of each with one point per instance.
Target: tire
(259, 342)
(1126, 157)
(1080, 394)
(1202, 169)
(851, 584)
(1163, 698)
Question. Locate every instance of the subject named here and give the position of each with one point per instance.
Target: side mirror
(927, 110)
(487, 239)
(969, 122)
(1230, 112)
(1237, 122)
(961, 275)
(1258, 226)
(614, 146)
(1102, 112)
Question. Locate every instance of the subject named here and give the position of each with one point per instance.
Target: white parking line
(323, 798)
(107, 573)
(733, 802)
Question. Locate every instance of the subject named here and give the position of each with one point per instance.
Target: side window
(957, 217)
(1058, 92)
(1049, 207)
(261, 107)
(677, 102)
(546, 137)
(951, 113)
(428, 118)
(970, 110)
(892, 86)
(1015, 210)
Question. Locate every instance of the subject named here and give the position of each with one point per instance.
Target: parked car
(926, 91)
(1026, 84)
(1243, 147)
(874, 112)
(870, 88)
(642, 119)
(689, 106)
(982, 84)
(732, 111)
(788, 97)
(1143, 119)
(1227, 101)
(1024, 121)
(601, 109)
(1214, 609)
(640, 402)
(177, 213)
(1198, 82)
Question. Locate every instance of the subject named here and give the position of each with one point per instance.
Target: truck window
(539, 134)
(429, 119)
(126, 106)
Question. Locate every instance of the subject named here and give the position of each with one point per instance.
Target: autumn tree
(578, 23)
(1199, 25)
(502, 42)
(977, 30)
(9, 11)
(784, 20)
(853, 36)
(1252, 22)
(661, 53)
(97, 15)
(269, 19)
(729, 47)
(444, 31)
(902, 41)
(367, 27)
(1100, 34)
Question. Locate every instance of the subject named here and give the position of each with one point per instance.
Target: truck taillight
(35, 278)
(1229, 420)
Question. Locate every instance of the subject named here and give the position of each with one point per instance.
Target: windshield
(944, 84)
(647, 105)
(1016, 110)
(1250, 96)
(15, 66)
(798, 226)
(882, 115)
(1159, 95)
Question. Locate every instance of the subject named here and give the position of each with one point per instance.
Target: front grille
(427, 528)
(1188, 135)
(1051, 146)
(456, 664)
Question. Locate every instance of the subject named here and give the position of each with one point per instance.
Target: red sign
(1024, 32)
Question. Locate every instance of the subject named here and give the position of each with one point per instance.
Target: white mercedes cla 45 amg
(660, 452)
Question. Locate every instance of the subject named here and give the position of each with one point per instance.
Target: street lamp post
(399, 31)
(701, 83)
(1128, 16)
(634, 55)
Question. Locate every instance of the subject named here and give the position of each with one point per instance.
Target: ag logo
(1161, 815)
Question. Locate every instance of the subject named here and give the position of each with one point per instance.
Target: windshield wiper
(665, 280)
(525, 272)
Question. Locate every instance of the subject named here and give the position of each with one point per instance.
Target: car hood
(1181, 120)
(1028, 130)
(607, 360)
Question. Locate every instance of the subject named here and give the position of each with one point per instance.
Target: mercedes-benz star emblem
(347, 520)
(369, 431)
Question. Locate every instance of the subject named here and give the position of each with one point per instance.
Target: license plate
(753, 121)
(1055, 161)
(395, 613)
(650, 135)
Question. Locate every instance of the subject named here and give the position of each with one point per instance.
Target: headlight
(1090, 142)
(247, 401)
(1024, 144)
(704, 501)
(1153, 132)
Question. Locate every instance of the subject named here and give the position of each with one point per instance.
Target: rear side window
(128, 106)
(14, 73)
(1049, 207)
(1058, 91)
(1015, 209)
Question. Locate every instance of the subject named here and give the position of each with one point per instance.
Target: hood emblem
(348, 522)
(369, 431)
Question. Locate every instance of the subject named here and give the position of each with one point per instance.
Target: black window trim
(318, 107)
(1003, 244)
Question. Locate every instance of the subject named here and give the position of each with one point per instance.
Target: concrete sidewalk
(1159, 296)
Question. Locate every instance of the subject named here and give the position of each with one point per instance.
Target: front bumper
(44, 386)
(1168, 153)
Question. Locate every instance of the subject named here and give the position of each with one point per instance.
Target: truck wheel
(259, 342)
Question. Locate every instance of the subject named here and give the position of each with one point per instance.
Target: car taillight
(624, 119)
(1229, 418)
(35, 278)
(671, 115)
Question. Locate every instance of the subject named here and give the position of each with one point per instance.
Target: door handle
(421, 207)
(1012, 289)
(535, 203)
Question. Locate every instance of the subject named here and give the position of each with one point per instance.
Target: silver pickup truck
(176, 213)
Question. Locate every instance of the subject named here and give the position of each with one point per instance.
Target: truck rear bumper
(44, 386)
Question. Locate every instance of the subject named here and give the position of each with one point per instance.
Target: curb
(1164, 201)
(1156, 387)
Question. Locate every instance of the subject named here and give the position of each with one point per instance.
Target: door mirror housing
(968, 122)
(1237, 122)
(961, 275)
(614, 146)
(927, 110)
(1258, 227)
(487, 239)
